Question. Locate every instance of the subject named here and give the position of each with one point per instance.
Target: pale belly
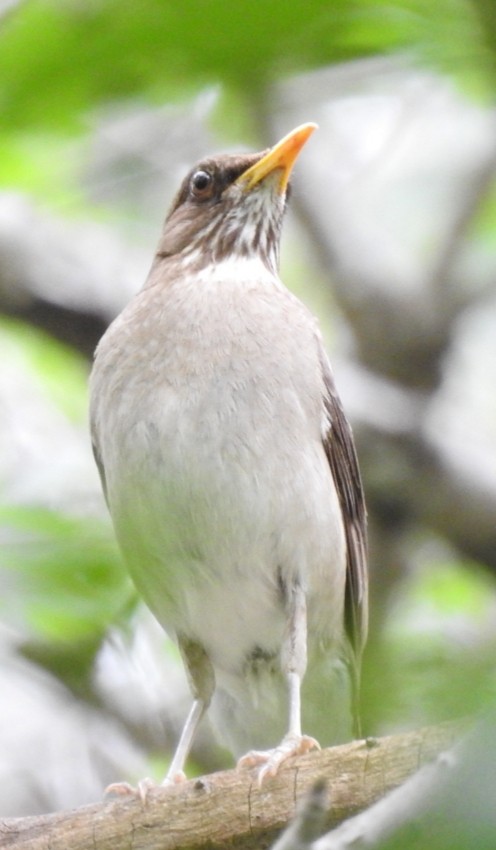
(213, 526)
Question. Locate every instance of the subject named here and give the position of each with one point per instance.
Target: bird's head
(233, 205)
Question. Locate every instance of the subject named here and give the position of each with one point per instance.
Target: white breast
(208, 422)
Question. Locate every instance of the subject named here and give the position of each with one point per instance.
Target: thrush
(230, 471)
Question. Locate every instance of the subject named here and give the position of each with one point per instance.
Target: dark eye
(201, 182)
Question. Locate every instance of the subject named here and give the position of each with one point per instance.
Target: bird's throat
(239, 232)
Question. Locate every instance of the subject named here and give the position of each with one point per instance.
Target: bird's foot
(271, 760)
(123, 790)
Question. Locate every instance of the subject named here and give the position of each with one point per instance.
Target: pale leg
(293, 662)
(176, 769)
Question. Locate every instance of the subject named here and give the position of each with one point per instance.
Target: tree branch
(228, 808)
(418, 795)
(414, 798)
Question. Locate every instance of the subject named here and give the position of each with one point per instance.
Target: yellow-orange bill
(282, 157)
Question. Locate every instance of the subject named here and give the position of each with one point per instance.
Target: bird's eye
(201, 183)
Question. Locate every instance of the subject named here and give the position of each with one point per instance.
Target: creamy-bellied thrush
(230, 472)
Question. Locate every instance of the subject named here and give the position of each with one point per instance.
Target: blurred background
(390, 239)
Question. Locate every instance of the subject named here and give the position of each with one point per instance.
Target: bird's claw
(271, 760)
(123, 790)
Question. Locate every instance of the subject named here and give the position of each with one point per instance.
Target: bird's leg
(201, 679)
(293, 663)
(176, 767)
(294, 655)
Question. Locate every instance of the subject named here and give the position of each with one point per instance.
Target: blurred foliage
(63, 587)
(68, 575)
(81, 54)
(437, 648)
(483, 229)
(62, 59)
(59, 371)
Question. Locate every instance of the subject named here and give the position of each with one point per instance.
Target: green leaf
(65, 575)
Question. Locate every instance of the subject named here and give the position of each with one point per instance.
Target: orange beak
(279, 158)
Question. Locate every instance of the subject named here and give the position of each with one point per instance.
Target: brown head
(233, 205)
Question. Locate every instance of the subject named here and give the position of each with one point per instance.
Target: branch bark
(412, 800)
(369, 829)
(228, 808)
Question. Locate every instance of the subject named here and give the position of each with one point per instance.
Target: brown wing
(340, 451)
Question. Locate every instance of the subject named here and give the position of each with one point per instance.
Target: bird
(230, 471)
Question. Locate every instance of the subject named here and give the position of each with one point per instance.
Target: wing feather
(339, 447)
